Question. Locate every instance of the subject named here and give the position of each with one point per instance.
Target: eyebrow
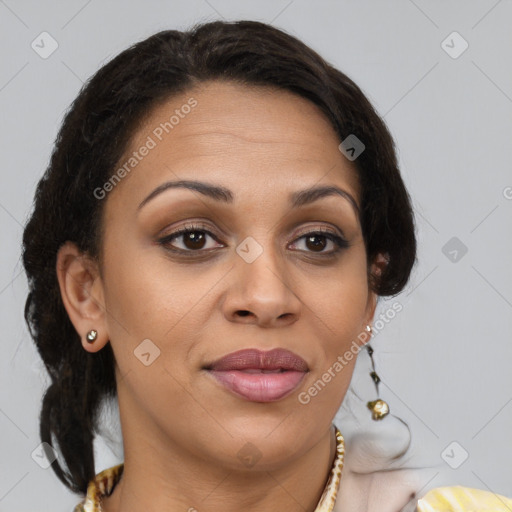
(219, 193)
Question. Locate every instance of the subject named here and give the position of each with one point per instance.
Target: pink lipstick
(260, 376)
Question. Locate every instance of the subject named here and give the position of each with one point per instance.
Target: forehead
(241, 136)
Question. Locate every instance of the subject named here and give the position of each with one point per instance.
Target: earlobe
(370, 313)
(82, 295)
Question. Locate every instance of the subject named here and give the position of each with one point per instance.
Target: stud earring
(91, 336)
(379, 408)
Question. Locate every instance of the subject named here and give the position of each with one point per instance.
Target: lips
(277, 359)
(259, 376)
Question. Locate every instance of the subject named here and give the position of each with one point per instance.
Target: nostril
(243, 313)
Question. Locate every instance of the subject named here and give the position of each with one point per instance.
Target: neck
(172, 479)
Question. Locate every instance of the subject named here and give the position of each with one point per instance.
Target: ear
(81, 290)
(377, 268)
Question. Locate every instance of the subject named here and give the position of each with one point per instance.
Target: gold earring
(379, 408)
(91, 336)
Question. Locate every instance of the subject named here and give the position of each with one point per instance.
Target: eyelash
(165, 241)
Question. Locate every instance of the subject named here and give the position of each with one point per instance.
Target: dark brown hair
(96, 132)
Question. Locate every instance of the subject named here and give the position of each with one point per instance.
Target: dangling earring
(91, 336)
(379, 408)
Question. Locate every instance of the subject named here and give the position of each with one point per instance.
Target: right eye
(193, 239)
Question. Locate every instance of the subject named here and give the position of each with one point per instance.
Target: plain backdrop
(439, 73)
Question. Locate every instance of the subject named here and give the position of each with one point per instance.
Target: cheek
(341, 305)
(144, 292)
(338, 312)
(149, 297)
(343, 294)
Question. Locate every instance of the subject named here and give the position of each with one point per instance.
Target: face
(261, 265)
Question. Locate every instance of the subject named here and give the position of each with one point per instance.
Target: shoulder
(390, 490)
(391, 493)
(394, 491)
(102, 484)
(458, 498)
(379, 476)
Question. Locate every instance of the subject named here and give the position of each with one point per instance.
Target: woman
(221, 212)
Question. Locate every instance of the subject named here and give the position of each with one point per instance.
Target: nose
(261, 292)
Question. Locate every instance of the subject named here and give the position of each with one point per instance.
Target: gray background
(445, 359)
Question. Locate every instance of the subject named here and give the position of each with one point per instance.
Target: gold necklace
(328, 498)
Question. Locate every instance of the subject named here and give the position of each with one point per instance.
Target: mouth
(259, 376)
(247, 359)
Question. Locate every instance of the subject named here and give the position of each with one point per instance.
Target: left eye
(194, 240)
(312, 240)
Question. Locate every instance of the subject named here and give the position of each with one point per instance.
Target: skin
(182, 431)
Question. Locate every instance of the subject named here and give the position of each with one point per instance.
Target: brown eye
(193, 239)
(317, 241)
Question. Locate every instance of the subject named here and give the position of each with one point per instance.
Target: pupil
(195, 239)
(317, 245)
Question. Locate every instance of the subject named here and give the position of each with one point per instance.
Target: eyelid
(331, 234)
(322, 229)
(189, 226)
(199, 226)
